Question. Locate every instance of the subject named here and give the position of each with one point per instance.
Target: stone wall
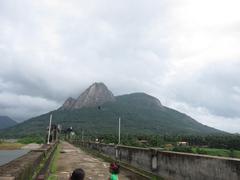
(171, 165)
(27, 166)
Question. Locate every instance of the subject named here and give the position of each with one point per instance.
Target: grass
(52, 177)
(53, 166)
(43, 162)
(31, 139)
(215, 152)
(10, 146)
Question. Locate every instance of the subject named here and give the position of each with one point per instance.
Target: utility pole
(49, 128)
(119, 130)
(82, 135)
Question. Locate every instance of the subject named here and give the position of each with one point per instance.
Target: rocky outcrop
(68, 104)
(96, 95)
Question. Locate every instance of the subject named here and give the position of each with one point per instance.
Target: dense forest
(210, 141)
(214, 145)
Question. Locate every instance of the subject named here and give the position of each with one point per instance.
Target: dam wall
(170, 165)
(29, 165)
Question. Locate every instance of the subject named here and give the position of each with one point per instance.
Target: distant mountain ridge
(96, 111)
(6, 122)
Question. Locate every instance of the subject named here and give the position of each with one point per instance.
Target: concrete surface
(171, 165)
(25, 167)
(72, 157)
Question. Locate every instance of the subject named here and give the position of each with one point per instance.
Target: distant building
(143, 142)
(182, 143)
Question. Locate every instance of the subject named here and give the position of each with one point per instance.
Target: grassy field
(17, 144)
(209, 151)
(10, 146)
(217, 152)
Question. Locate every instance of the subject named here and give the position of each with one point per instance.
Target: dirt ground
(32, 146)
(71, 158)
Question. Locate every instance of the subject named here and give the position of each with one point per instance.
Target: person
(77, 174)
(114, 170)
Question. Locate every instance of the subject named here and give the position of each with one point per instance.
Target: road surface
(72, 157)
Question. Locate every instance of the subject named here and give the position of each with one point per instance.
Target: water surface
(9, 155)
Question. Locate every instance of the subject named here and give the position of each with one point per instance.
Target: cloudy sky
(185, 52)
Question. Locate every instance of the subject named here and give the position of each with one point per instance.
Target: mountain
(68, 104)
(6, 122)
(96, 111)
(96, 95)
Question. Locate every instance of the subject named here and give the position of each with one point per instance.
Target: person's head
(78, 174)
(114, 168)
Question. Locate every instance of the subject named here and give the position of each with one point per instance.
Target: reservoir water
(9, 155)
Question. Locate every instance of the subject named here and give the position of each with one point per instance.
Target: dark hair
(78, 174)
(114, 167)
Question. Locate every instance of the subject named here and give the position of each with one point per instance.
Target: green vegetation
(53, 165)
(6, 122)
(144, 124)
(5, 145)
(42, 163)
(52, 177)
(218, 152)
(31, 139)
(186, 149)
(10, 146)
(209, 151)
(140, 114)
(225, 146)
(230, 141)
(141, 140)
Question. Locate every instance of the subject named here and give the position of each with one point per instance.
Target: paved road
(71, 158)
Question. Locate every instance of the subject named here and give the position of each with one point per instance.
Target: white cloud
(21, 107)
(185, 52)
(205, 117)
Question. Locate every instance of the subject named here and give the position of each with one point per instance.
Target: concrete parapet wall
(199, 167)
(26, 166)
(171, 165)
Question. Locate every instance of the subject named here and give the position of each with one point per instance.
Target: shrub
(201, 151)
(31, 139)
(187, 149)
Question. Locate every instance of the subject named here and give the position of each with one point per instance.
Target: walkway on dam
(71, 157)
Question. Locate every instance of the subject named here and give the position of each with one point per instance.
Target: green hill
(140, 114)
(6, 122)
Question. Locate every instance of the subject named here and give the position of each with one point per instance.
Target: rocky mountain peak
(68, 104)
(96, 95)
